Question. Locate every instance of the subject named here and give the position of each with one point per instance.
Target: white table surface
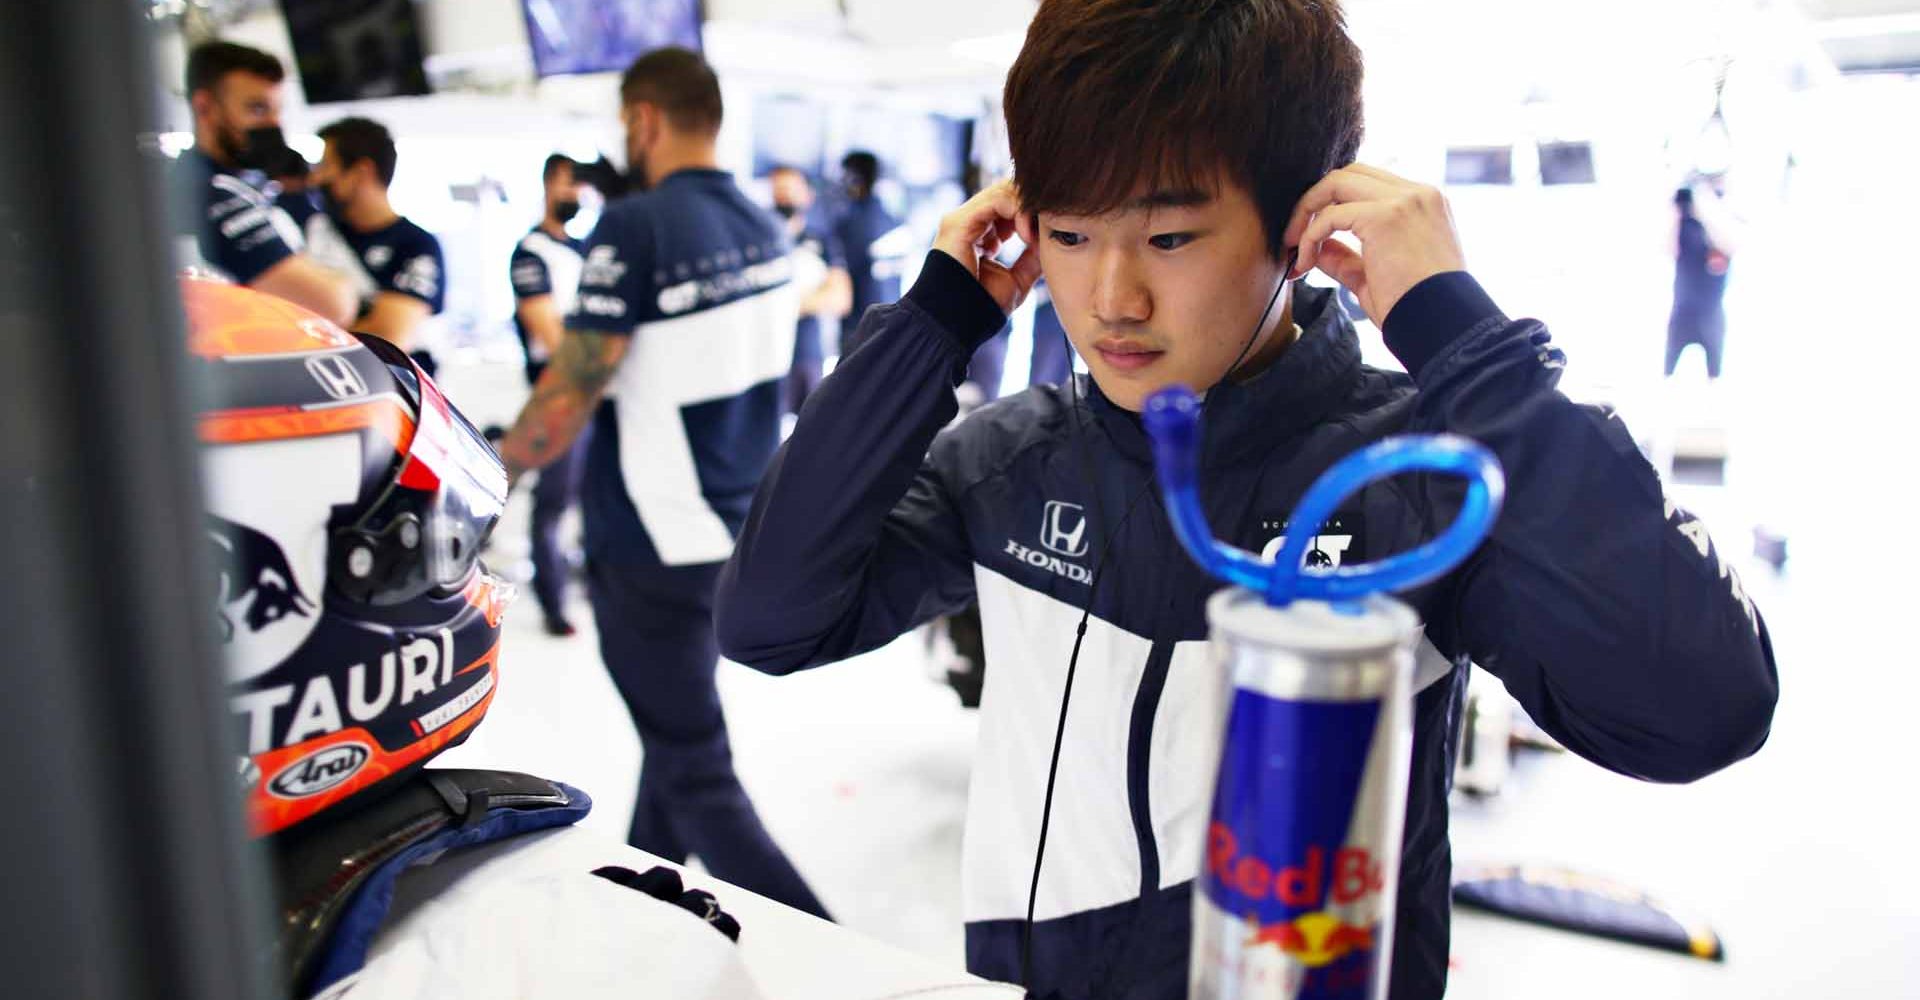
(791, 955)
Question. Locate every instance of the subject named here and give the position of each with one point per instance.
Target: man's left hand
(1405, 230)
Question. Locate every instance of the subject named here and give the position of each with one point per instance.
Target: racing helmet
(347, 501)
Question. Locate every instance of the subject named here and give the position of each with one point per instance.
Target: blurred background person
(234, 92)
(1704, 238)
(396, 267)
(873, 261)
(545, 270)
(820, 270)
(684, 323)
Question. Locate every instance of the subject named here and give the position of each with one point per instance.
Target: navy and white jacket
(230, 225)
(543, 265)
(700, 278)
(816, 251)
(873, 242)
(1602, 606)
(399, 257)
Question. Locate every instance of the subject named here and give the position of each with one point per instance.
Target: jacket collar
(1295, 393)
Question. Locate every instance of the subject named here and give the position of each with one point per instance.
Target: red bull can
(1296, 892)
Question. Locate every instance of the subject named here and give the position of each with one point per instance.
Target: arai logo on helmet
(319, 770)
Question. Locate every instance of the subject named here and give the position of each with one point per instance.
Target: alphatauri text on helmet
(412, 671)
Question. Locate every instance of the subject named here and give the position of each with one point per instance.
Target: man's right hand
(973, 233)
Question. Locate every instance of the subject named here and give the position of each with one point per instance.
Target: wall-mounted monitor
(1480, 165)
(350, 50)
(605, 36)
(1566, 163)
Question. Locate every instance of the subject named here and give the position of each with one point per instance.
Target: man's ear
(202, 102)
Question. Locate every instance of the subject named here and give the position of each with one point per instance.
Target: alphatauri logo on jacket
(1330, 548)
(1063, 540)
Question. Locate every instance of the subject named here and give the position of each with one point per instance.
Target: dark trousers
(656, 636)
(557, 489)
(1697, 323)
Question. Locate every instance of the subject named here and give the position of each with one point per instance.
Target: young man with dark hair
(545, 269)
(1172, 159)
(866, 232)
(676, 347)
(397, 268)
(820, 269)
(235, 228)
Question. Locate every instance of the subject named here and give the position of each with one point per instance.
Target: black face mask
(263, 148)
(564, 211)
(786, 211)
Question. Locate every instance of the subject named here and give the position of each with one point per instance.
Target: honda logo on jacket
(1064, 530)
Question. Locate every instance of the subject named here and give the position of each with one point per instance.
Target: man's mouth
(1126, 355)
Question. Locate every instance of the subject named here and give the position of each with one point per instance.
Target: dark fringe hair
(1111, 99)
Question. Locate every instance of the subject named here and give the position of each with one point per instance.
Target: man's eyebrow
(1172, 198)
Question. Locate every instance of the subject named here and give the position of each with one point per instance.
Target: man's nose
(1120, 296)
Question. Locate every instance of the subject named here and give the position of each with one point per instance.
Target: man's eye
(1066, 238)
(1170, 241)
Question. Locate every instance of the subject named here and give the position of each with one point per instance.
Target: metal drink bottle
(1295, 897)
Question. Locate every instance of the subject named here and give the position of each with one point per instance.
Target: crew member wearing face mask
(876, 244)
(233, 227)
(820, 268)
(396, 267)
(675, 349)
(545, 268)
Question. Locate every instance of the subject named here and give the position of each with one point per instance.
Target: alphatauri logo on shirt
(1329, 548)
(1063, 536)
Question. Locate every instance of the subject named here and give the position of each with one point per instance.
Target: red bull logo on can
(1343, 878)
(1295, 867)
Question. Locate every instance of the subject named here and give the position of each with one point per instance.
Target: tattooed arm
(563, 400)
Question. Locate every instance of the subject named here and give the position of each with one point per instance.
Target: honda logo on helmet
(337, 376)
(1064, 529)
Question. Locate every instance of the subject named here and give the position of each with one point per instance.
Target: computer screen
(349, 50)
(601, 36)
(1566, 163)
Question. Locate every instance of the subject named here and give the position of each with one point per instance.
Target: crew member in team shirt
(820, 269)
(871, 237)
(545, 269)
(228, 223)
(676, 348)
(396, 267)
